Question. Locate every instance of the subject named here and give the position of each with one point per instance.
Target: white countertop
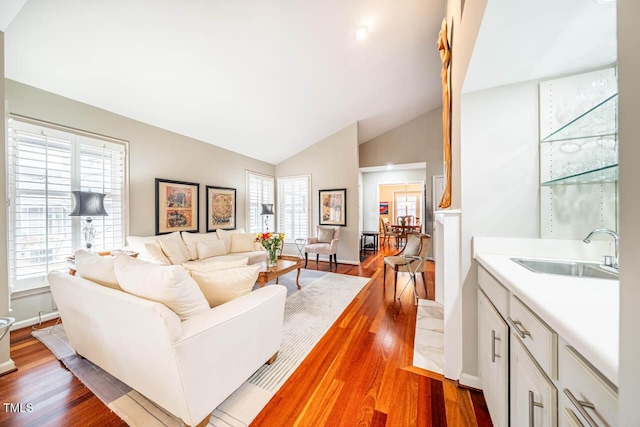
(583, 311)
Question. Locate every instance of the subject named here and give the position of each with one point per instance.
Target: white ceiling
(262, 78)
(521, 41)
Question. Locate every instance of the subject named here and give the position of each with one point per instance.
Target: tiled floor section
(428, 349)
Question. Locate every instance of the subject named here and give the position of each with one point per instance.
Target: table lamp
(267, 209)
(88, 205)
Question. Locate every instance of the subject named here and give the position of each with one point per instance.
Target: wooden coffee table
(285, 264)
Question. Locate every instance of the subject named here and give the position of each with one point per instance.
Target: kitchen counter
(584, 311)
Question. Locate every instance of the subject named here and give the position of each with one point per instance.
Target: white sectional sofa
(179, 353)
(198, 249)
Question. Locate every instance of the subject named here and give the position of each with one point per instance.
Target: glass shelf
(600, 175)
(599, 121)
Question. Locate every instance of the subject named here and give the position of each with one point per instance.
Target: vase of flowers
(271, 242)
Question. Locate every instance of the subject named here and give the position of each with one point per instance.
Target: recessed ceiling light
(361, 33)
(389, 166)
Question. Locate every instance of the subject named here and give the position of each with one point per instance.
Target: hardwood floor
(359, 374)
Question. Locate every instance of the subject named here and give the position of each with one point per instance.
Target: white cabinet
(493, 360)
(533, 396)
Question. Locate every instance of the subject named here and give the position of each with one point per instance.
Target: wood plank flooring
(360, 374)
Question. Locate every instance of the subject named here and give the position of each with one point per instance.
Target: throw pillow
(170, 285)
(243, 242)
(137, 243)
(413, 247)
(211, 248)
(154, 253)
(325, 235)
(226, 236)
(191, 241)
(175, 250)
(99, 269)
(222, 286)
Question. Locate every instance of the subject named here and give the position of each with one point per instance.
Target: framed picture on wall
(384, 208)
(221, 208)
(333, 207)
(177, 205)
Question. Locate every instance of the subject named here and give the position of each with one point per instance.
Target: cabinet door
(534, 399)
(493, 360)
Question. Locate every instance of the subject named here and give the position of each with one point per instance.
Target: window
(407, 204)
(43, 166)
(293, 207)
(260, 189)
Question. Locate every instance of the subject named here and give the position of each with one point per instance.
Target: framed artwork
(333, 207)
(221, 208)
(177, 206)
(384, 208)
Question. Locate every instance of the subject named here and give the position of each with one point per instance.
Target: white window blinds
(293, 207)
(260, 189)
(43, 166)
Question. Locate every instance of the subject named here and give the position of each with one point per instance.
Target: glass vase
(272, 257)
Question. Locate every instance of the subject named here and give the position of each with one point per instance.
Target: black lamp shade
(267, 209)
(87, 203)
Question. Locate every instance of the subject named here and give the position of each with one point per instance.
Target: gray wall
(499, 161)
(153, 153)
(629, 129)
(418, 140)
(332, 163)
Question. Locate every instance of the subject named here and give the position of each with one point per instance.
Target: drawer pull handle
(493, 346)
(582, 407)
(517, 325)
(532, 405)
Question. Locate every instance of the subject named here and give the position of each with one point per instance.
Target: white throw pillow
(243, 242)
(137, 243)
(211, 248)
(226, 236)
(170, 285)
(154, 253)
(325, 235)
(175, 250)
(191, 241)
(99, 269)
(222, 286)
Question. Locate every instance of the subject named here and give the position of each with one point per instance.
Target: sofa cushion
(217, 263)
(175, 250)
(191, 241)
(220, 286)
(226, 236)
(170, 285)
(325, 235)
(211, 248)
(137, 243)
(243, 242)
(99, 269)
(154, 253)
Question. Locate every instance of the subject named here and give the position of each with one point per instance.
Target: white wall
(499, 161)
(629, 131)
(332, 163)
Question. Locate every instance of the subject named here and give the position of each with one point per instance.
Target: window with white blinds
(43, 166)
(260, 189)
(294, 207)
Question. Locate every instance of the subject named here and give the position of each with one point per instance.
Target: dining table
(403, 229)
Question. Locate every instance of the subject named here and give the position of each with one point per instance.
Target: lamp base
(89, 233)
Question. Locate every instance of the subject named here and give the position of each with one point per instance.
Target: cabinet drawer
(539, 339)
(497, 293)
(586, 392)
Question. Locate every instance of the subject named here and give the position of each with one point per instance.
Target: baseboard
(34, 320)
(471, 381)
(7, 367)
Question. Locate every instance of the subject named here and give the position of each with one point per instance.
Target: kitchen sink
(567, 268)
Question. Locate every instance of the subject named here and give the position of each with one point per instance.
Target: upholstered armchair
(325, 243)
(417, 246)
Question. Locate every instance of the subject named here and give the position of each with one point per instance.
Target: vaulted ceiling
(262, 78)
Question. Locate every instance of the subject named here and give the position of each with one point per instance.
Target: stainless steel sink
(567, 268)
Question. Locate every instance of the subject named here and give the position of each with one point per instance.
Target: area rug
(309, 313)
(428, 346)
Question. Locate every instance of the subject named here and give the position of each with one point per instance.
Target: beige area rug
(428, 346)
(309, 313)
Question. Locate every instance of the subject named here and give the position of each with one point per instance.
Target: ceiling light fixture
(361, 33)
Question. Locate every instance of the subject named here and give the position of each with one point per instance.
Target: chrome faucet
(607, 258)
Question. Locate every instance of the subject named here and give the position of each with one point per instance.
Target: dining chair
(387, 230)
(406, 260)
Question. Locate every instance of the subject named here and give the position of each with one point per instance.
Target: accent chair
(325, 243)
(417, 246)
